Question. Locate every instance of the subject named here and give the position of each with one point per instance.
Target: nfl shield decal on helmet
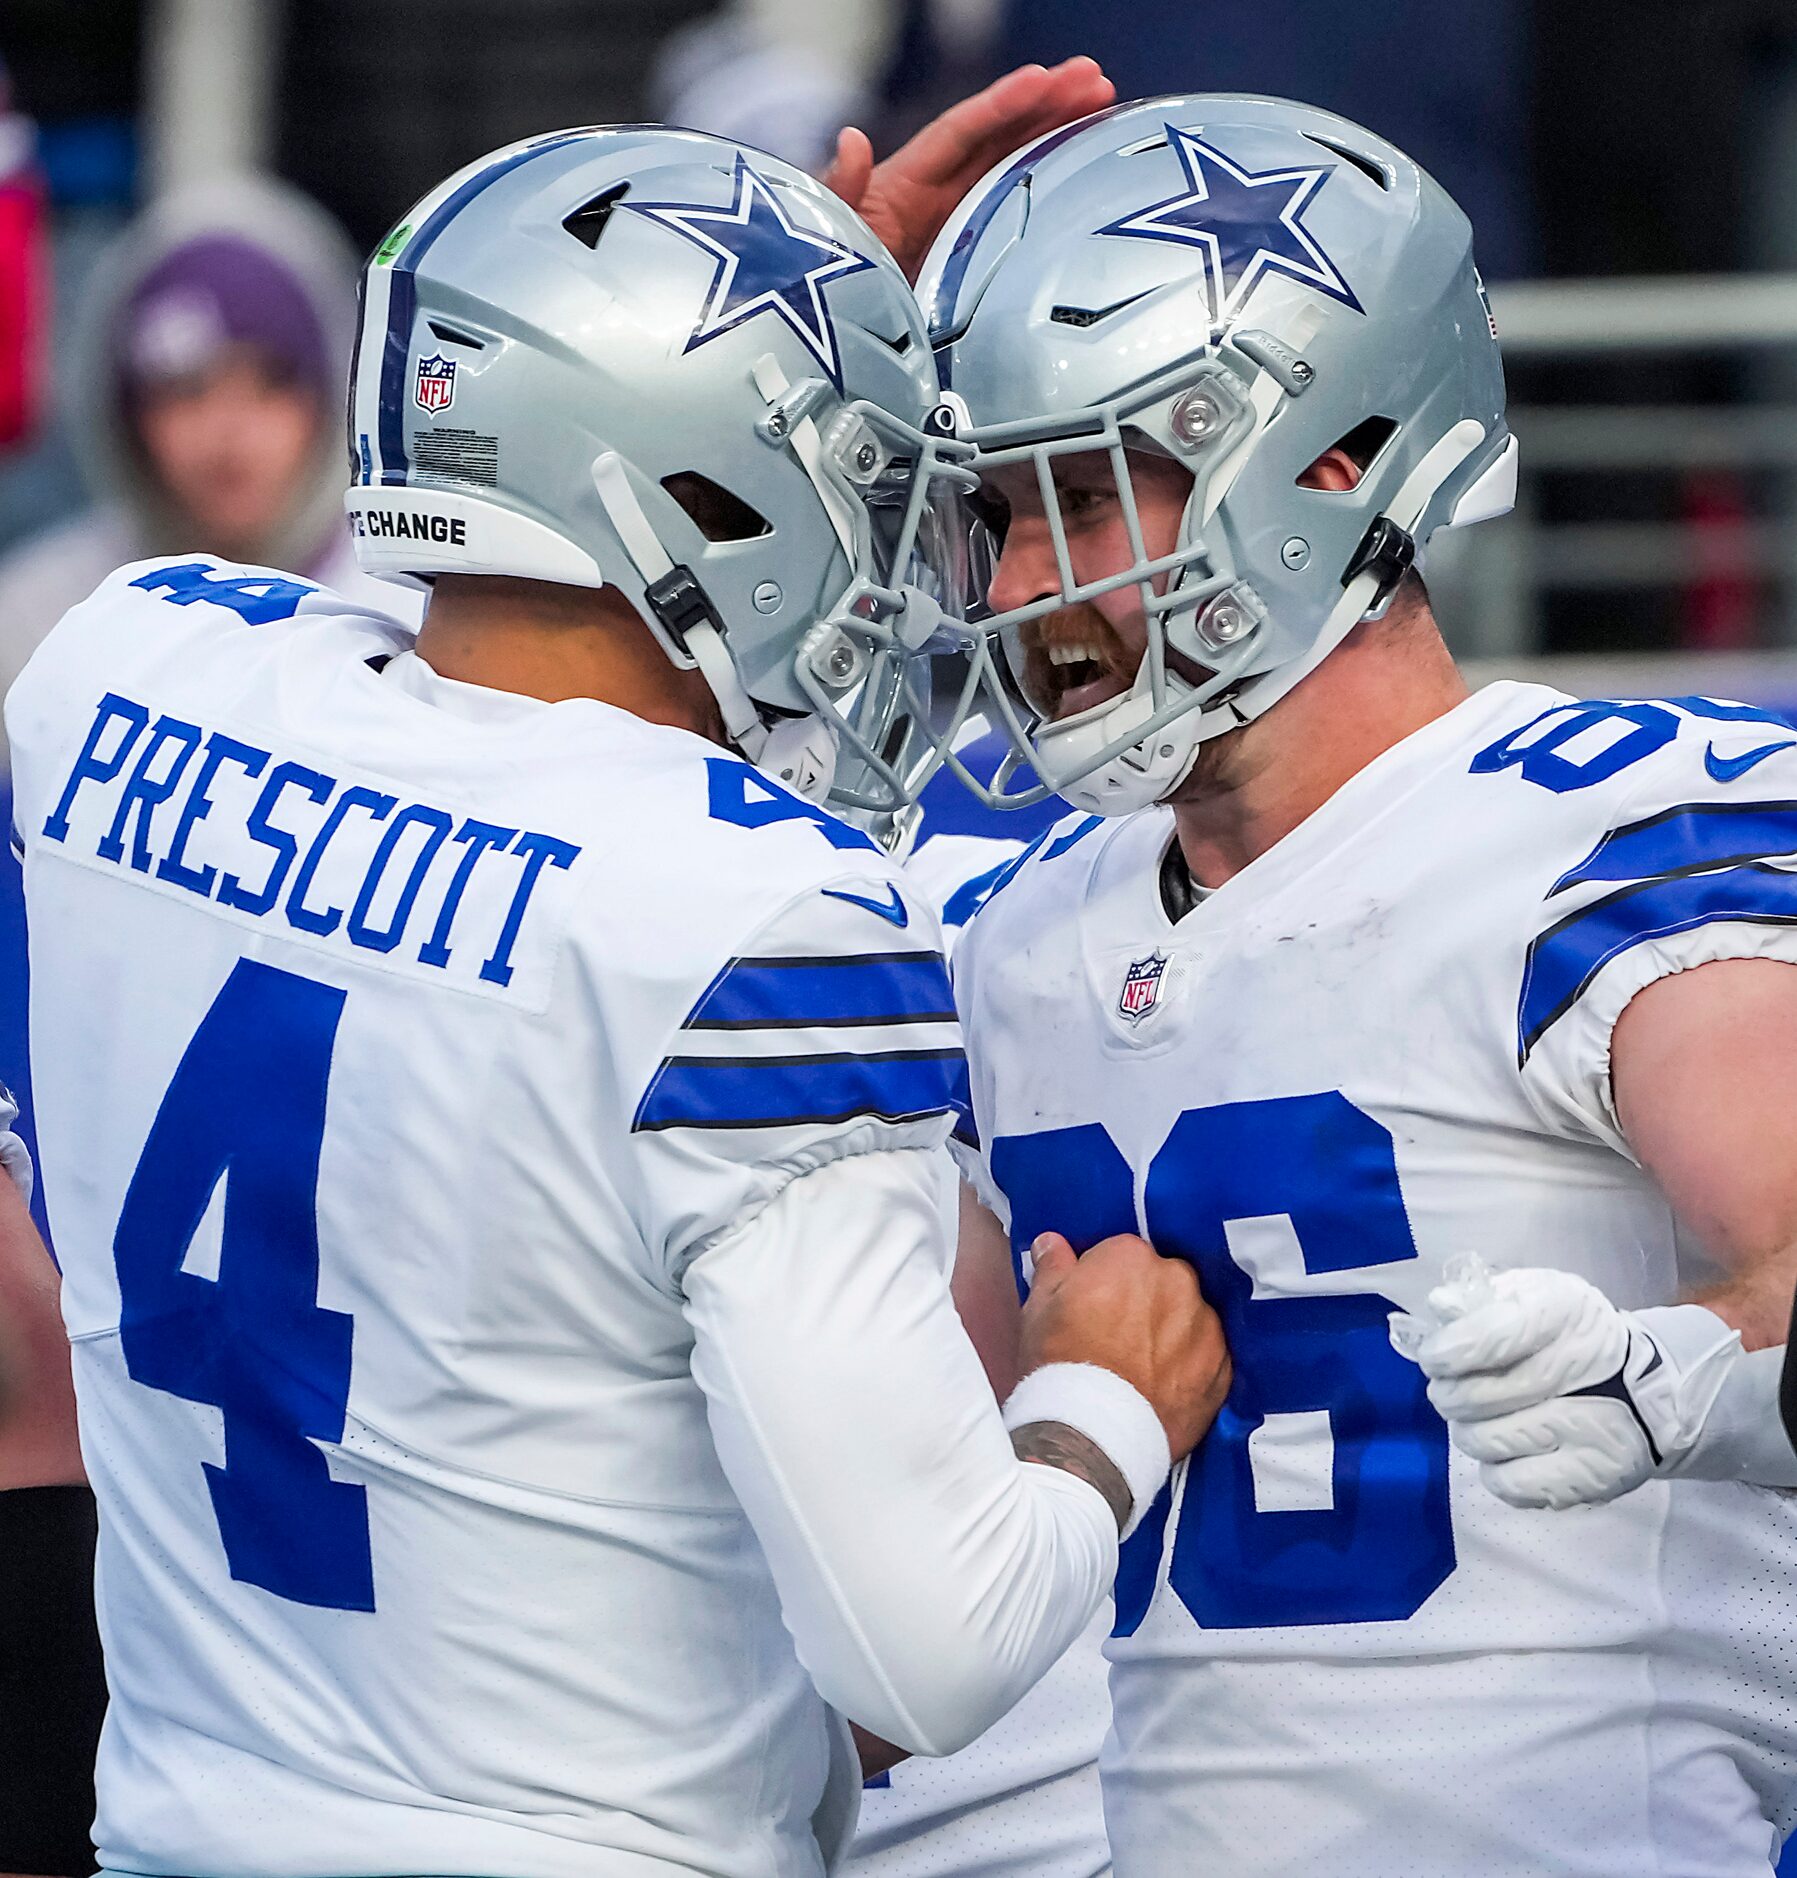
(1141, 987)
(434, 387)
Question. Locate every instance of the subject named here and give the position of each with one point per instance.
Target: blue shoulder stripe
(971, 895)
(1564, 960)
(796, 1091)
(801, 993)
(1686, 838)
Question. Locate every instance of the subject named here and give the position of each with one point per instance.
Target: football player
(1342, 975)
(492, 1127)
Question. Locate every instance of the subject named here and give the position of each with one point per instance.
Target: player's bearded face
(1089, 652)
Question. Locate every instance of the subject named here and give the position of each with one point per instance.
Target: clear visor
(924, 535)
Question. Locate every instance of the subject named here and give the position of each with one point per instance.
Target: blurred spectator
(208, 373)
(786, 75)
(728, 75)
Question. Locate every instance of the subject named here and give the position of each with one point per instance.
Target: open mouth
(1073, 661)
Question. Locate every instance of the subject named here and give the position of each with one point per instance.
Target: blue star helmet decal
(766, 263)
(1247, 225)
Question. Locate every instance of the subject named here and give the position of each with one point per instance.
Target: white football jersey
(396, 1041)
(1383, 1044)
(1023, 1801)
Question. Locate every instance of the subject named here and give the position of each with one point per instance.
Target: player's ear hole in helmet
(717, 513)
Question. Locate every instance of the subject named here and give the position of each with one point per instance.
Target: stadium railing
(1492, 582)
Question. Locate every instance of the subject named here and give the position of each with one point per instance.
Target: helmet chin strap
(799, 750)
(1406, 509)
(1135, 777)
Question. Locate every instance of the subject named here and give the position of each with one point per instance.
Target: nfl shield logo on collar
(1141, 987)
(435, 385)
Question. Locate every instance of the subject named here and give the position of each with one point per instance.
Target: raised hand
(907, 198)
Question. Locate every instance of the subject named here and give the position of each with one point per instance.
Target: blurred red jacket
(24, 277)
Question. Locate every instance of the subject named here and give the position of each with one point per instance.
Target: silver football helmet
(654, 360)
(1238, 284)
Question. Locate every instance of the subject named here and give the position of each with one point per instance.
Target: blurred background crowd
(186, 187)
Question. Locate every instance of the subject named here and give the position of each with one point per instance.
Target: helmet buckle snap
(679, 601)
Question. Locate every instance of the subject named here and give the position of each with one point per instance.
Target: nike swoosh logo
(1726, 768)
(894, 915)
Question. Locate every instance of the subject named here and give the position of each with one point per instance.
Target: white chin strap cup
(1144, 773)
(800, 752)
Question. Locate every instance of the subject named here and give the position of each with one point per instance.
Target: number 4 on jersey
(247, 1107)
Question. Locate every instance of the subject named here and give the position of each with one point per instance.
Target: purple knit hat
(214, 291)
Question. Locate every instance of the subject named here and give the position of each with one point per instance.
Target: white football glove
(1561, 1398)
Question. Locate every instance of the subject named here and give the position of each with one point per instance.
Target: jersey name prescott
(1383, 1044)
(253, 829)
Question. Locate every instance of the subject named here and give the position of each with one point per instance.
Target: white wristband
(1109, 1412)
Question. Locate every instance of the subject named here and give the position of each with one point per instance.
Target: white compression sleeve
(928, 1577)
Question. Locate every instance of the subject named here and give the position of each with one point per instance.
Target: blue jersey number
(1385, 1540)
(258, 598)
(1636, 730)
(247, 1107)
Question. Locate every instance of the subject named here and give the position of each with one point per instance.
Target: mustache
(1044, 680)
(1076, 625)
(1082, 624)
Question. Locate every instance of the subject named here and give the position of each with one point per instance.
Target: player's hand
(906, 199)
(1125, 1308)
(1562, 1398)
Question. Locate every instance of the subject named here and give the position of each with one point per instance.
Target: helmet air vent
(1091, 315)
(1365, 164)
(454, 336)
(587, 223)
(1362, 445)
(714, 510)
